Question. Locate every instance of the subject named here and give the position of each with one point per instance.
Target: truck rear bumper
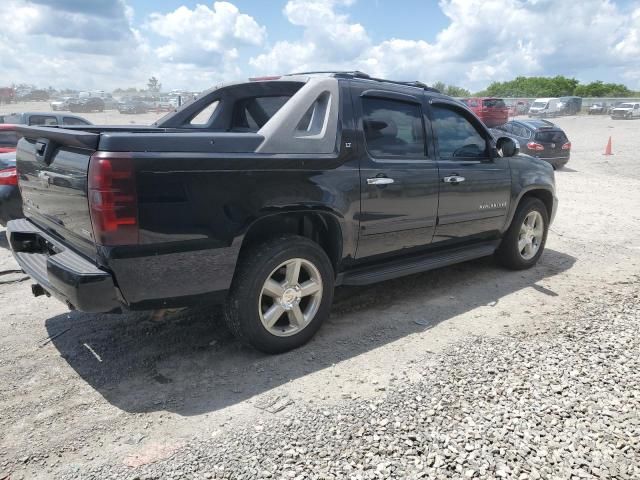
(63, 273)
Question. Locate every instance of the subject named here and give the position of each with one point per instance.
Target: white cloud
(203, 35)
(88, 44)
(329, 38)
(486, 40)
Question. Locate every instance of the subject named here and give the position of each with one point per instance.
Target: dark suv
(540, 139)
(265, 194)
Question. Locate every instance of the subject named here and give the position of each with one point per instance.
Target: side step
(408, 266)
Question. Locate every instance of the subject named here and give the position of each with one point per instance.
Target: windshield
(539, 104)
(626, 105)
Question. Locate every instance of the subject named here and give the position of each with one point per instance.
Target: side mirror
(507, 147)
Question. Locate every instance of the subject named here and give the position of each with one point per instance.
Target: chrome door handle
(379, 181)
(453, 179)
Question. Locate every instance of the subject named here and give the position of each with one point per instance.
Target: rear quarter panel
(528, 174)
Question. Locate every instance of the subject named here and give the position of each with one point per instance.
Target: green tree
(451, 90)
(154, 85)
(601, 89)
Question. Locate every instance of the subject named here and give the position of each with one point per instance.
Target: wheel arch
(321, 226)
(543, 193)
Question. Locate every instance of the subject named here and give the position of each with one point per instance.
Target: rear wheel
(525, 239)
(281, 294)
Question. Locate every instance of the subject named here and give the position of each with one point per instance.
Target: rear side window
(457, 136)
(43, 120)
(73, 121)
(520, 131)
(551, 136)
(8, 139)
(393, 128)
(494, 103)
(250, 114)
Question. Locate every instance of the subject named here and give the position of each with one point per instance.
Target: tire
(247, 308)
(509, 253)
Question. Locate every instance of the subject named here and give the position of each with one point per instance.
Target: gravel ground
(466, 371)
(559, 402)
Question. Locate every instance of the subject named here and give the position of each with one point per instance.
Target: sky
(108, 44)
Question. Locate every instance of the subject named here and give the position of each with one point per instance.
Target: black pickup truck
(265, 194)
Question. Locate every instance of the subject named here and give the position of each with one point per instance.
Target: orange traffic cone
(607, 151)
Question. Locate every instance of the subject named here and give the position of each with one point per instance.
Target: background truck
(626, 110)
(264, 195)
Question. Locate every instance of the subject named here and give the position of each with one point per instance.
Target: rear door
(475, 188)
(398, 173)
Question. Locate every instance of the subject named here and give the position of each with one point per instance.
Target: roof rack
(364, 76)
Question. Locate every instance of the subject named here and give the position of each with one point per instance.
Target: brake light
(113, 202)
(535, 146)
(566, 146)
(9, 176)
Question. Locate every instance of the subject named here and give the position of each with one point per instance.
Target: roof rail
(364, 76)
(346, 73)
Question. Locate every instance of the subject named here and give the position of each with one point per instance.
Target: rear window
(551, 136)
(44, 120)
(250, 114)
(494, 103)
(8, 139)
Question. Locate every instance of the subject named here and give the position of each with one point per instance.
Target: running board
(408, 266)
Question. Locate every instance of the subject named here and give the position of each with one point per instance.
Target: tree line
(558, 86)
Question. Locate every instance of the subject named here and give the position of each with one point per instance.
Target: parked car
(492, 111)
(518, 107)
(8, 138)
(346, 181)
(10, 200)
(60, 104)
(134, 106)
(600, 108)
(569, 105)
(86, 105)
(45, 119)
(626, 110)
(539, 138)
(545, 107)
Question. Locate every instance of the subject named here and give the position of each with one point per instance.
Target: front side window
(393, 128)
(457, 137)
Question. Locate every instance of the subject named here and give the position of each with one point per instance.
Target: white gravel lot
(465, 372)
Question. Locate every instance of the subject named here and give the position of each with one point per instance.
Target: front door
(399, 176)
(475, 186)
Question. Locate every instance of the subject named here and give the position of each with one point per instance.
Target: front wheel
(525, 239)
(281, 294)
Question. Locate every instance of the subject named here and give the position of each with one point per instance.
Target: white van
(545, 107)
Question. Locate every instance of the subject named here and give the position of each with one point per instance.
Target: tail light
(535, 146)
(566, 146)
(9, 176)
(113, 200)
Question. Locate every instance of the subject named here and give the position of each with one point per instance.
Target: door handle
(379, 181)
(455, 179)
